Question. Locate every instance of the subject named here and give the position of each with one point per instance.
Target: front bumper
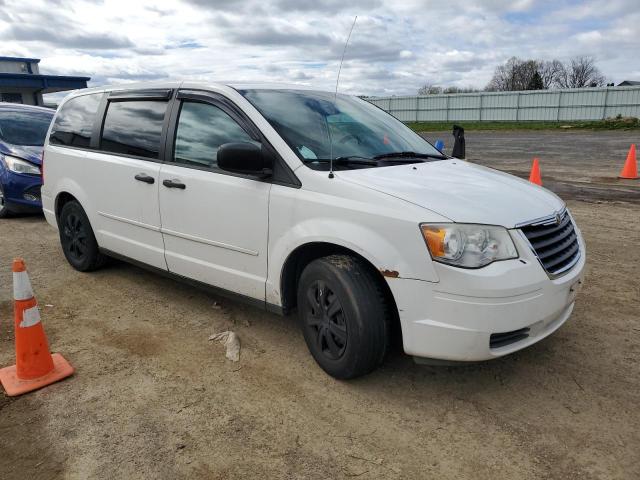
(21, 192)
(514, 300)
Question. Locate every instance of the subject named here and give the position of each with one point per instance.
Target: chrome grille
(555, 242)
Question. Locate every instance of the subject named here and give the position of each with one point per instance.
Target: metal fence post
(518, 107)
(447, 107)
(559, 105)
(604, 106)
(481, 107)
(417, 106)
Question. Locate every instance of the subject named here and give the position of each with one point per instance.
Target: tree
(525, 74)
(428, 89)
(549, 71)
(435, 90)
(453, 89)
(579, 73)
(503, 76)
(515, 74)
(535, 83)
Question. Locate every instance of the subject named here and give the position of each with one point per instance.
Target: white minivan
(301, 200)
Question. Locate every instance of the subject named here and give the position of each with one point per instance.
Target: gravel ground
(580, 164)
(153, 398)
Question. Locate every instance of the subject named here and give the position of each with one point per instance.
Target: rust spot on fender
(389, 273)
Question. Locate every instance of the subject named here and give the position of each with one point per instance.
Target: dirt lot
(153, 398)
(576, 164)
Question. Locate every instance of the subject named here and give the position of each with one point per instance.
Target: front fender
(389, 239)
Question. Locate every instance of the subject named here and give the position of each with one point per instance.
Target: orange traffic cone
(630, 169)
(35, 367)
(535, 177)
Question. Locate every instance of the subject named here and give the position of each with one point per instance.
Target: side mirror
(247, 158)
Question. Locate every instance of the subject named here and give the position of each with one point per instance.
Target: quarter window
(133, 128)
(74, 123)
(202, 129)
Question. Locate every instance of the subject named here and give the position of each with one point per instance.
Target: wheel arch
(61, 199)
(304, 254)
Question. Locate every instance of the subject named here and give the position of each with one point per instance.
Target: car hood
(32, 154)
(461, 191)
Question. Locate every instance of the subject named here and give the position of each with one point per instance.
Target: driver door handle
(175, 183)
(143, 177)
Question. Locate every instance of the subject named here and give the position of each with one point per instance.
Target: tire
(344, 316)
(77, 239)
(4, 211)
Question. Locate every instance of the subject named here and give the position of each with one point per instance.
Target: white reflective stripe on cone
(22, 286)
(30, 317)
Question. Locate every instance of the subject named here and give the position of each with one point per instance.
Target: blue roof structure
(20, 59)
(36, 81)
(45, 83)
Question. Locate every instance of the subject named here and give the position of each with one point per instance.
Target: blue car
(22, 132)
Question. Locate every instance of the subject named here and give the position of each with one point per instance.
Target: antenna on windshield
(335, 97)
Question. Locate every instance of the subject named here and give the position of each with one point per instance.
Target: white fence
(547, 105)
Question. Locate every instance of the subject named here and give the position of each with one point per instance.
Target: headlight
(466, 245)
(21, 166)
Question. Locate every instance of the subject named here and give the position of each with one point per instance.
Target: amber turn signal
(434, 237)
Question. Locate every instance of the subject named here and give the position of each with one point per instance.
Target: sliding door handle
(174, 184)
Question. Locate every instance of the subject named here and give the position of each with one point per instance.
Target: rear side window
(74, 122)
(133, 128)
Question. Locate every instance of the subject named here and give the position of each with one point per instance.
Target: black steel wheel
(344, 316)
(77, 239)
(74, 233)
(324, 316)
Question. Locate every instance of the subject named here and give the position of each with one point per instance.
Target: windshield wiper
(408, 155)
(347, 159)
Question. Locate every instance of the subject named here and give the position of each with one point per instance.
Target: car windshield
(319, 126)
(24, 127)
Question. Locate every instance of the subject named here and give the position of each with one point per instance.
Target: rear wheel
(344, 316)
(77, 239)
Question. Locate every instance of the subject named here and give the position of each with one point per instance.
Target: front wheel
(4, 210)
(344, 315)
(77, 239)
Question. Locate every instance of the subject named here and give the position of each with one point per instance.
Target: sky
(396, 47)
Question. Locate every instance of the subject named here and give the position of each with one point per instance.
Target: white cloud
(395, 47)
